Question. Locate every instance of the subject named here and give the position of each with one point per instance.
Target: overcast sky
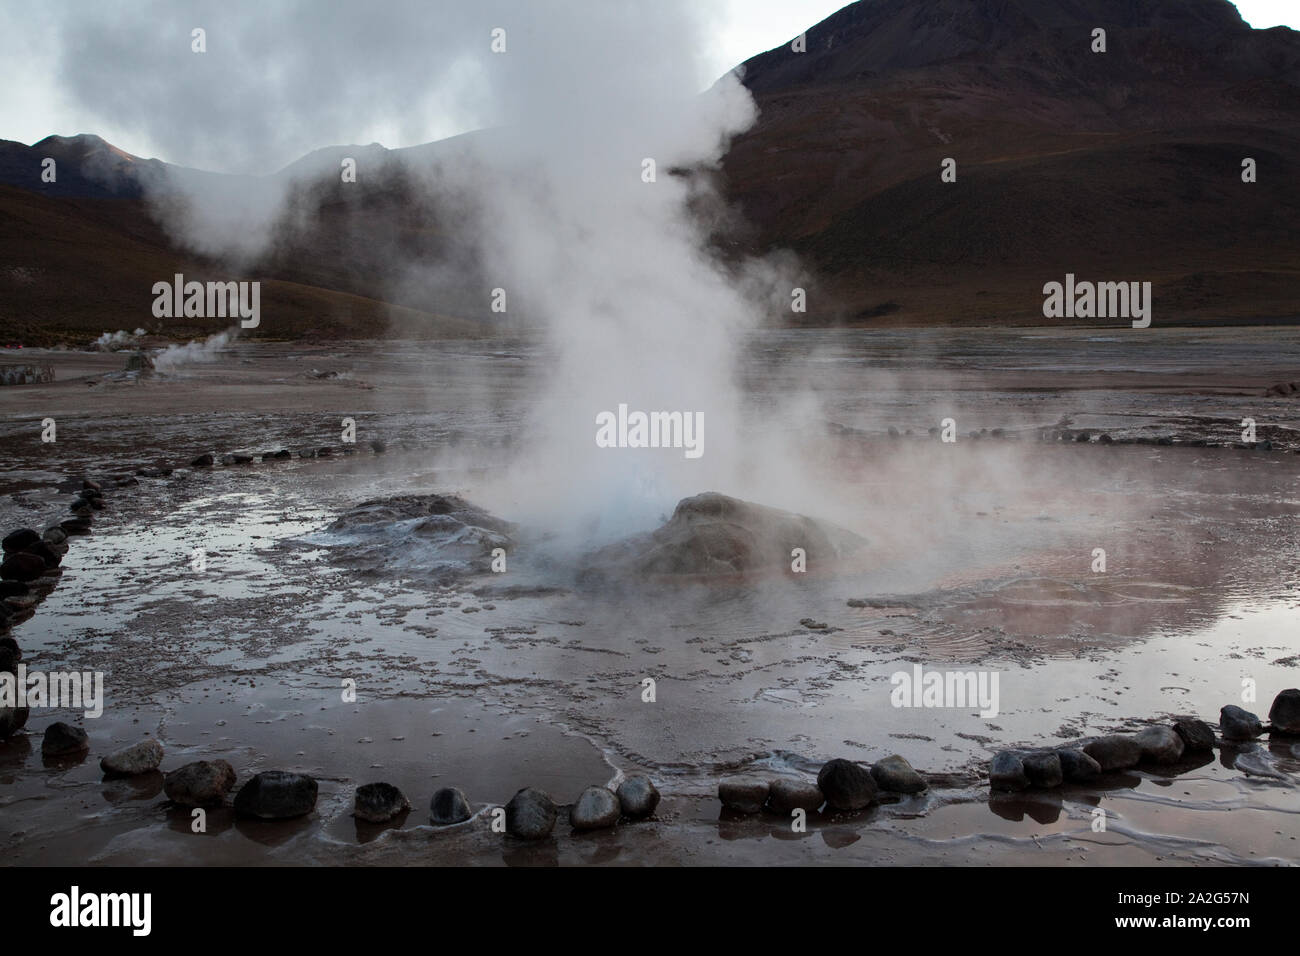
(61, 62)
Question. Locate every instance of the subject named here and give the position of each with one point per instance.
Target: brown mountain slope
(1117, 166)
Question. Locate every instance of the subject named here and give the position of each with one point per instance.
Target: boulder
(276, 795)
(1043, 769)
(1196, 735)
(1284, 715)
(200, 784)
(846, 785)
(787, 794)
(19, 540)
(1238, 724)
(63, 739)
(55, 536)
(1114, 753)
(1160, 744)
(1077, 766)
(449, 806)
(203, 461)
(378, 803)
(895, 774)
(638, 796)
(530, 814)
(595, 809)
(136, 759)
(10, 589)
(46, 554)
(75, 525)
(1007, 772)
(22, 566)
(12, 720)
(743, 794)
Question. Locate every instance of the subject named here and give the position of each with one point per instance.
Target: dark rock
(1238, 724)
(1007, 772)
(449, 806)
(22, 566)
(1077, 766)
(144, 757)
(377, 803)
(1196, 735)
(45, 553)
(12, 720)
(530, 814)
(55, 536)
(638, 796)
(62, 739)
(14, 589)
(787, 794)
(81, 508)
(596, 808)
(75, 525)
(236, 459)
(378, 446)
(88, 485)
(276, 795)
(1284, 715)
(1160, 744)
(712, 533)
(743, 794)
(847, 785)
(203, 461)
(10, 657)
(324, 452)
(154, 471)
(896, 775)
(1043, 769)
(1114, 752)
(19, 540)
(200, 784)
(1105, 439)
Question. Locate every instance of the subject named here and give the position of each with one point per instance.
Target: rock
(530, 814)
(1007, 772)
(19, 540)
(12, 720)
(138, 758)
(75, 525)
(1077, 766)
(62, 739)
(236, 459)
(787, 794)
(200, 784)
(1238, 724)
(1196, 734)
(88, 485)
(55, 535)
(155, 471)
(847, 785)
(638, 796)
(22, 566)
(1043, 769)
(595, 809)
(1159, 744)
(1114, 752)
(94, 504)
(378, 446)
(276, 795)
(81, 508)
(203, 461)
(14, 589)
(377, 802)
(324, 452)
(743, 794)
(714, 534)
(1284, 715)
(449, 806)
(896, 775)
(46, 554)
(277, 455)
(9, 658)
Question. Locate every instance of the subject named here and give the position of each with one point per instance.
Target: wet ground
(982, 559)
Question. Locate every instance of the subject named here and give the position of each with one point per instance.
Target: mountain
(1117, 166)
(1122, 165)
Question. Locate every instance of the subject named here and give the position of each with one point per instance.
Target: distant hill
(1117, 165)
(1123, 165)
